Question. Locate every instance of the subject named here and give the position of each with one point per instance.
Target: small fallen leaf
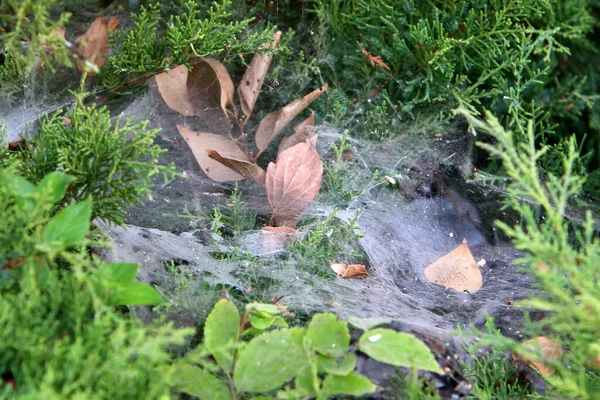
(201, 92)
(293, 182)
(246, 168)
(456, 270)
(349, 271)
(302, 132)
(92, 46)
(272, 124)
(339, 269)
(201, 142)
(550, 350)
(253, 79)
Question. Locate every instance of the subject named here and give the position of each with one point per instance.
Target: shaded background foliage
(520, 59)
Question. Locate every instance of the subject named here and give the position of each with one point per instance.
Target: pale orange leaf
(201, 142)
(456, 270)
(253, 78)
(172, 86)
(293, 182)
(349, 271)
(272, 124)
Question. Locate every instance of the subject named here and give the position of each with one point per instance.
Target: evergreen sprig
(143, 51)
(114, 163)
(563, 254)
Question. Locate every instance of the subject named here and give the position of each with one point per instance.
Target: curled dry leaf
(349, 271)
(293, 182)
(92, 46)
(200, 143)
(272, 124)
(209, 82)
(253, 79)
(246, 168)
(302, 132)
(205, 91)
(550, 350)
(456, 270)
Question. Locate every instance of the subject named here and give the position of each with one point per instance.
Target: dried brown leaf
(112, 24)
(272, 124)
(201, 142)
(253, 79)
(246, 168)
(92, 46)
(198, 92)
(457, 270)
(293, 182)
(172, 86)
(303, 131)
(339, 269)
(349, 271)
(209, 84)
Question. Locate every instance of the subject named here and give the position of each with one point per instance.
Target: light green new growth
(61, 336)
(563, 254)
(259, 353)
(114, 163)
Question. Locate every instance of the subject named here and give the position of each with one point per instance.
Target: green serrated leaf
(199, 383)
(399, 349)
(221, 332)
(136, 294)
(341, 365)
(70, 226)
(54, 186)
(353, 384)
(270, 360)
(328, 335)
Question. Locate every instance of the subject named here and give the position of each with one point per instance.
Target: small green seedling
(257, 353)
